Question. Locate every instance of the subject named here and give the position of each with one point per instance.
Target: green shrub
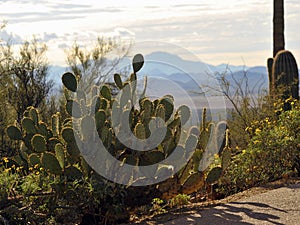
(272, 151)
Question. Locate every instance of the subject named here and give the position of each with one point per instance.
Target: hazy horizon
(229, 31)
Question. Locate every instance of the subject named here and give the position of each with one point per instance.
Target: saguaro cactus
(282, 68)
(285, 75)
(278, 26)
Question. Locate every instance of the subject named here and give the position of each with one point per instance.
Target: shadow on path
(278, 206)
(227, 214)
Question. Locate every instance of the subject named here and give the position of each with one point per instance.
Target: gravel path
(280, 206)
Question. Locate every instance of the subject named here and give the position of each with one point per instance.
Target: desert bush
(272, 151)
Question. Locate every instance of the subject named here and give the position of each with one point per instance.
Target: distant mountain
(189, 75)
(169, 64)
(226, 67)
(253, 80)
(258, 69)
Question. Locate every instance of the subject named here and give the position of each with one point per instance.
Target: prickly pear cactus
(14, 133)
(114, 116)
(69, 81)
(51, 146)
(154, 124)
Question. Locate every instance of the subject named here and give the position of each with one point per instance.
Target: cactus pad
(73, 173)
(60, 154)
(33, 113)
(193, 183)
(137, 62)
(55, 124)
(14, 133)
(226, 158)
(34, 159)
(73, 108)
(68, 135)
(118, 81)
(28, 125)
(88, 128)
(70, 82)
(105, 92)
(42, 129)
(50, 163)
(214, 175)
(38, 143)
(185, 113)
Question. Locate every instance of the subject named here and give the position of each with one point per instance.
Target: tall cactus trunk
(278, 26)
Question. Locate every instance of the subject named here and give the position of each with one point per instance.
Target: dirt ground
(184, 214)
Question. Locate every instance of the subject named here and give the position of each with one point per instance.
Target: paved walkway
(279, 206)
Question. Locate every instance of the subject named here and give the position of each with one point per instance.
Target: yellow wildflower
(257, 130)
(248, 129)
(7, 170)
(5, 159)
(256, 141)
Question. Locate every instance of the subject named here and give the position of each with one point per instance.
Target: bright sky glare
(217, 31)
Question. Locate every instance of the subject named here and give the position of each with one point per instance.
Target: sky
(237, 32)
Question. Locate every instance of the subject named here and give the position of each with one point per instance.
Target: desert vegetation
(48, 171)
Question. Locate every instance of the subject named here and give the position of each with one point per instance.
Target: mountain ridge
(184, 72)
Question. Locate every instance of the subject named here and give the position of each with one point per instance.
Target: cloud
(197, 6)
(66, 40)
(17, 39)
(51, 11)
(221, 32)
(122, 32)
(223, 28)
(228, 33)
(151, 7)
